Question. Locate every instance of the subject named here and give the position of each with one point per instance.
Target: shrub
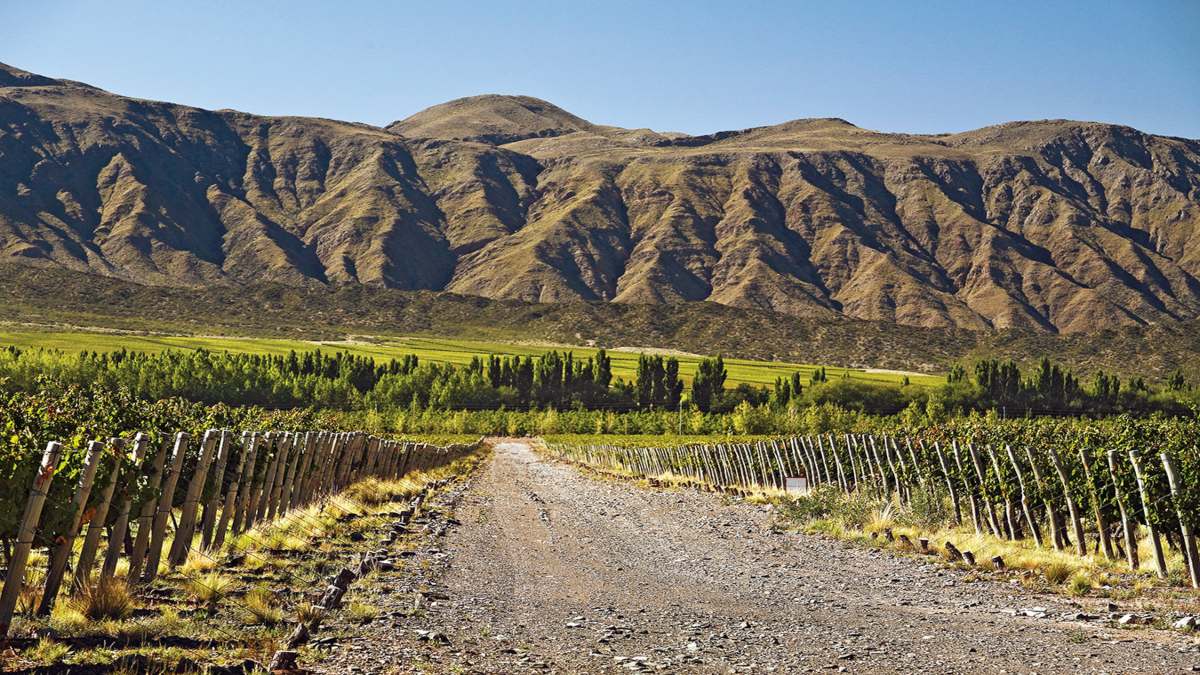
(926, 510)
(820, 502)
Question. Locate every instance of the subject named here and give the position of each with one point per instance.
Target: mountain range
(1055, 226)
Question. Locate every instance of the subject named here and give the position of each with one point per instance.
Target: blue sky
(695, 67)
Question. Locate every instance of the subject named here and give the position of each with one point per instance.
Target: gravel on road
(547, 570)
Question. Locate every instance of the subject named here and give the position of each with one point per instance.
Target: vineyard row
(223, 487)
(1010, 490)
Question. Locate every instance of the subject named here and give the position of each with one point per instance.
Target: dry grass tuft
(107, 599)
(1080, 585)
(361, 611)
(261, 607)
(209, 589)
(1057, 572)
(48, 652)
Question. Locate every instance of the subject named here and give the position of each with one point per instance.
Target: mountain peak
(491, 118)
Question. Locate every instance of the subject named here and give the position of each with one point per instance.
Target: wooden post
(837, 462)
(852, 451)
(975, 517)
(916, 466)
(1076, 523)
(66, 542)
(15, 578)
(186, 529)
(1189, 539)
(1012, 525)
(247, 481)
(262, 489)
(1160, 559)
(165, 503)
(301, 453)
(230, 505)
(803, 459)
(898, 468)
(937, 449)
(146, 515)
(887, 487)
(1131, 550)
(91, 543)
(1033, 528)
(987, 502)
(276, 487)
(124, 502)
(217, 481)
(1097, 510)
(1056, 529)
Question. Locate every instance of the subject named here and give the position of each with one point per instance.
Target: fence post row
(272, 474)
(878, 466)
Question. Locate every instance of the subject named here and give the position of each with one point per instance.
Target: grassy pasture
(455, 351)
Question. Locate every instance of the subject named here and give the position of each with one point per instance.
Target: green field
(428, 349)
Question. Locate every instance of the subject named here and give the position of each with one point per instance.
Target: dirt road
(551, 571)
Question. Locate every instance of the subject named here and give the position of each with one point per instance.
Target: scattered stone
(284, 660)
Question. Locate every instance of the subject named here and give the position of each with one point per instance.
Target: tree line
(563, 381)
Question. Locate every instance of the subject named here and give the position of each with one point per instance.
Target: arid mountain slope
(1054, 225)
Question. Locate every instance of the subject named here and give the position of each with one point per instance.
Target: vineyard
(1098, 488)
(152, 500)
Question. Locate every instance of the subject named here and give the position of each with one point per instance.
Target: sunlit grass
(439, 350)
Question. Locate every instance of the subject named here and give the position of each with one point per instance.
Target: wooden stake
(1189, 539)
(975, 518)
(217, 481)
(91, 543)
(1160, 559)
(1097, 510)
(987, 502)
(1127, 526)
(15, 579)
(146, 515)
(1056, 528)
(1076, 522)
(165, 504)
(124, 502)
(66, 542)
(186, 529)
(937, 449)
(1033, 528)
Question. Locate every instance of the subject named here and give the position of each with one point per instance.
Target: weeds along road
(552, 571)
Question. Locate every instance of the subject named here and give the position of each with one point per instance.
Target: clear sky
(696, 67)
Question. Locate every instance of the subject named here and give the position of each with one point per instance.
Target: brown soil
(551, 571)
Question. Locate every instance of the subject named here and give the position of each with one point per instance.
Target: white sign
(797, 485)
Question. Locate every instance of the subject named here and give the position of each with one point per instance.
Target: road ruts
(551, 571)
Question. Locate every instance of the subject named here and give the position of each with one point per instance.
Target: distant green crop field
(453, 351)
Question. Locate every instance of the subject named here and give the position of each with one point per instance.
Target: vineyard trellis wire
(1054, 481)
(256, 480)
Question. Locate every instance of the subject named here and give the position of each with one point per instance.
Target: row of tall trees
(1054, 389)
(557, 380)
